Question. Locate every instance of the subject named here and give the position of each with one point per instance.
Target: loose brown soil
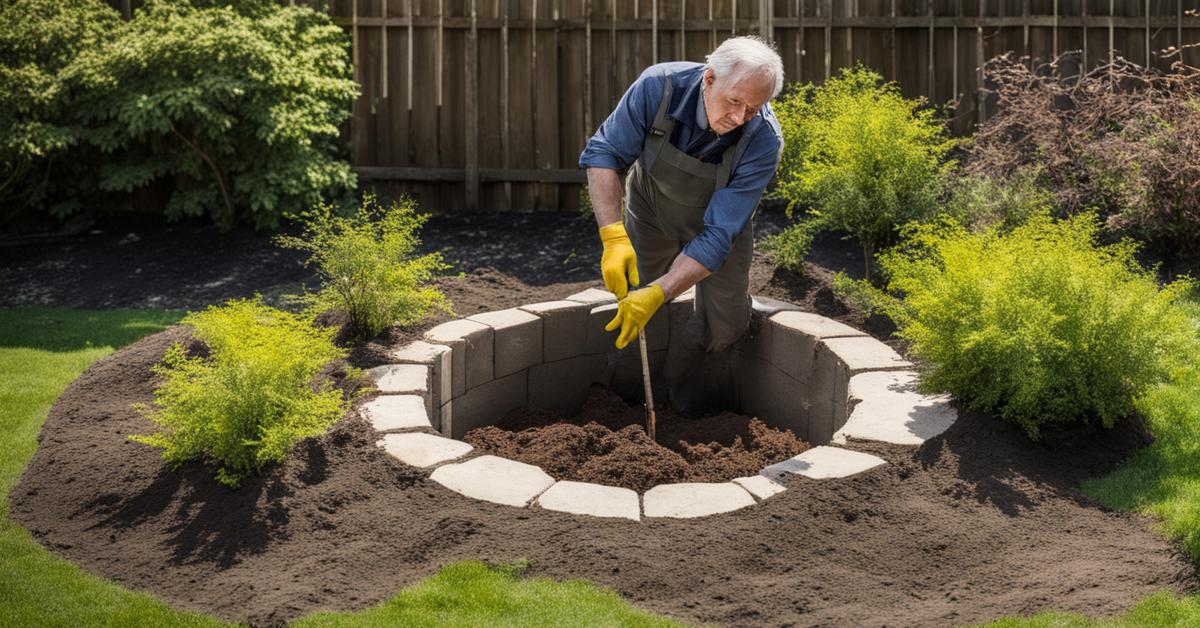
(975, 524)
(606, 443)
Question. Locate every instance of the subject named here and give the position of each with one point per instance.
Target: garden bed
(974, 524)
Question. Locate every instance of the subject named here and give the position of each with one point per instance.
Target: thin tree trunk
(224, 222)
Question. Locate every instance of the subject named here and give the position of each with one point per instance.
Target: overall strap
(726, 165)
(660, 132)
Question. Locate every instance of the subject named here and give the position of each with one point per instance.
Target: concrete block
(446, 419)
(484, 404)
(471, 346)
(625, 377)
(820, 463)
(518, 339)
(597, 500)
(887, 407)
(423, 450)
(439, 359)
(658, 330)
(564, 385)
(396, 412)
(593, 296)
(694, 499)
(494, 479)
(766, 392)
(564, 328)
(758, 340)
(760, 486)
(794, 340)
(679, 313)
(404, 379)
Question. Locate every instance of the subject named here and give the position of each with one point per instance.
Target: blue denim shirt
(618, 143)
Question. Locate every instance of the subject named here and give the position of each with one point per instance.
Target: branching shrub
(237, 105)
(1121, 138)
(246, 404)
(367, 264)
(789, 247)
(864, 157)
(1040, 324)
(980, 201)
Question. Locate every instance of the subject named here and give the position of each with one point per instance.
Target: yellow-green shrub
(367, 264)
(252, 398)
(1040, 324)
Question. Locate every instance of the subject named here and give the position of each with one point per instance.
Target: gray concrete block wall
(517, 339)
(439, 360)
(766, 392)
(564, 385)
(564, 325)
(471, 345)
(484, 404)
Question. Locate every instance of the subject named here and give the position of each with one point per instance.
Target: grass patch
(42, 350)
(1161, 610)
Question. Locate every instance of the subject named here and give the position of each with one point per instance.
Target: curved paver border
(840, 383)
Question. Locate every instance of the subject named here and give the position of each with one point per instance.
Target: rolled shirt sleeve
(618, 141)
(730, 207)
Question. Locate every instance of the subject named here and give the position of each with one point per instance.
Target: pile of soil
(606, 443)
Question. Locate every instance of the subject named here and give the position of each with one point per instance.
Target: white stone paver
(593, 296)
(760, 486)
(420, 352)
(584, 498)
(396, 412)
(394, 379)
(423, 450)
(821, 463)
(494, 479)
(694, 499)
(864, 353)
(889, 409)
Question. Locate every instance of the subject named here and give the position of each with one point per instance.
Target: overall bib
(667, 192)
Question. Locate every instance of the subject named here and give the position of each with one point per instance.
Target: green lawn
(44, 349)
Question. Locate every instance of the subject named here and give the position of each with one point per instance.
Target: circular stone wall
(821, 379)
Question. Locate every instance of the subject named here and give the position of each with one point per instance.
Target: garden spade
(646, 384)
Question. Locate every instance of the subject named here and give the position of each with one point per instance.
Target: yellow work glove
(634, 311)
(618, 260)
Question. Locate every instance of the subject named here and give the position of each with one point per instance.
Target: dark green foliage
(252, 399)
(789, 247)
(1038, 323)
(367, 265)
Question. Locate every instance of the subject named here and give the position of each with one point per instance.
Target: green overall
(666, 194)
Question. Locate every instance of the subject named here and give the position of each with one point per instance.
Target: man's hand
(618, 263)
(634, 312)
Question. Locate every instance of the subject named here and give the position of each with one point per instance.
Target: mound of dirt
(606, 443)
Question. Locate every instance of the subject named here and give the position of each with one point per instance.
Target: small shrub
(980, 201)
(862, 156)
(789, 247)
(367, 266)
(251, 399)
(1040, 324)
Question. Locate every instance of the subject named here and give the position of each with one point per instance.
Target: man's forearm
(685, 272)
(604, 188)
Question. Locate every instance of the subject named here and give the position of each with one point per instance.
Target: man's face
(730, 106)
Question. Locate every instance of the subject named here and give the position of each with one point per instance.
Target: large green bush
(864, 157)
(252, 398)
(235, 106)
(367, 264)
(43, 166)
(1039, 323)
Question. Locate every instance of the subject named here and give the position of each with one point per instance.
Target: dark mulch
(974, 524)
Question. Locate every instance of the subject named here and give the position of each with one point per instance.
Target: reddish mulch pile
(975, 524)
(606, 443)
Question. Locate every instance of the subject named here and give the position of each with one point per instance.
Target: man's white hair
(738, 57)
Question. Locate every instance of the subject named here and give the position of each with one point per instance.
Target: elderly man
(701, 144)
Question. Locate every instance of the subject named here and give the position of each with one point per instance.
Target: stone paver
(439, 360)
(423, 450)
(396, 412)
(494, 479)
(471, 345)
(563, 328)
(583, 498)
(518, 335)
(760, 486)
(795, 337)
(694, 499)
(398, 379)
(821, 463)
(890, 409)
(593, 296)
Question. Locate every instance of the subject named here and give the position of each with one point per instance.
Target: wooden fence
(485, 105)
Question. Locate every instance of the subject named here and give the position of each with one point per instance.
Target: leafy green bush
(1040, 324)
(252, 399)
(789, 247)
(980, 201)
(864, 157)
(237, 105)
(43, 164)
(367, 266)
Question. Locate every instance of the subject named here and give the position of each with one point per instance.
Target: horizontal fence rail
(485, 105)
